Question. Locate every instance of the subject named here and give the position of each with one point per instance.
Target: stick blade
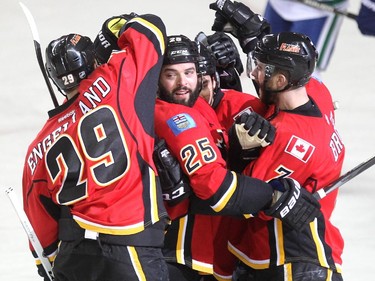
(31, 21)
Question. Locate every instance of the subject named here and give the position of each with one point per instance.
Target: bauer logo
(300, 148)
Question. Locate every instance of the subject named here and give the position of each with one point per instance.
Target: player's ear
(281, 81)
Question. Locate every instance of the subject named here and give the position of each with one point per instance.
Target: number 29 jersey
(94, 154)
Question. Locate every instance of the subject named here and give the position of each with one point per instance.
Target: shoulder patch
(300, 148)
(180, 123)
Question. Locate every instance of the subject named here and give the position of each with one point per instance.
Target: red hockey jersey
(229, 104)
(94, 154)
(309, 149)
(194, 139)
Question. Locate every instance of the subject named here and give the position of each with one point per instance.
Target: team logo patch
(180, 123)
(300, 148)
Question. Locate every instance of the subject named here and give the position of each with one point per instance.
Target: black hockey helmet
(288, 51)
(69, 59)
(180, 49)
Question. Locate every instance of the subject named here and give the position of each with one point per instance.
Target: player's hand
(292, 204)
(229, 79)
(252, 130)
(42, 273)
(175, 185)
(106, 40)
(228, 62)
(225, 51)
(239, 20)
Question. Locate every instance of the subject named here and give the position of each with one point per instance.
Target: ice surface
(24, 102)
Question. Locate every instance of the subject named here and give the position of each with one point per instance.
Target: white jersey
(294, 11)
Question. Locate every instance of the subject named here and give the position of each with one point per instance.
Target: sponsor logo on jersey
(300, 148)
(180, 123)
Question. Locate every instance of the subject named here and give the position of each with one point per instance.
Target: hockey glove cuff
(241, 22)
(292, 204)
(229, 79)
(106, 40)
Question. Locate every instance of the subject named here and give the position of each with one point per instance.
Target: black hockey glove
(292, 204)
(241, 22)
(175, 185)
(252, 130)
(42, 273)
(229, 79)
(247, 136)
(106, 40)
(228, 61)
(225, 51)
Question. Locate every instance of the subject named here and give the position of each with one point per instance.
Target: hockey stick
(344, 178)
(29, 231)
(328, 8)
(38, 52)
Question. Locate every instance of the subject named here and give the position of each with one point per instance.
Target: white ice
(24, 102)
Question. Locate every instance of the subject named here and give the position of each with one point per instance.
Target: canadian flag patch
(300, 148)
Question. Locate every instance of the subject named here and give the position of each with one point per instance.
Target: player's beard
(169, 96)
(266, 95)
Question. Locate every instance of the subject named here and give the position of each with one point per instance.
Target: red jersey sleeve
(188, 136)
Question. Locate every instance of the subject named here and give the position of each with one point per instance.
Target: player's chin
(181, 99)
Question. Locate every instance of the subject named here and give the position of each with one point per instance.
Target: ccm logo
(292, 201)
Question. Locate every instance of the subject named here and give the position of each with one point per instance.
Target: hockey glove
(106, 40)
(174, 184)
(225, 51)
(292, 204)
(228, 61)
(241, 22)
(229, 79)
(42, 273)
(252, 130)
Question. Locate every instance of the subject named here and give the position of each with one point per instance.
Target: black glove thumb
(219, 22)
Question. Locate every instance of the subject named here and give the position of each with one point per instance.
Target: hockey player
(193, 139)
(230, 104)
(227, 102)
(89, 179)
(268, 248)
